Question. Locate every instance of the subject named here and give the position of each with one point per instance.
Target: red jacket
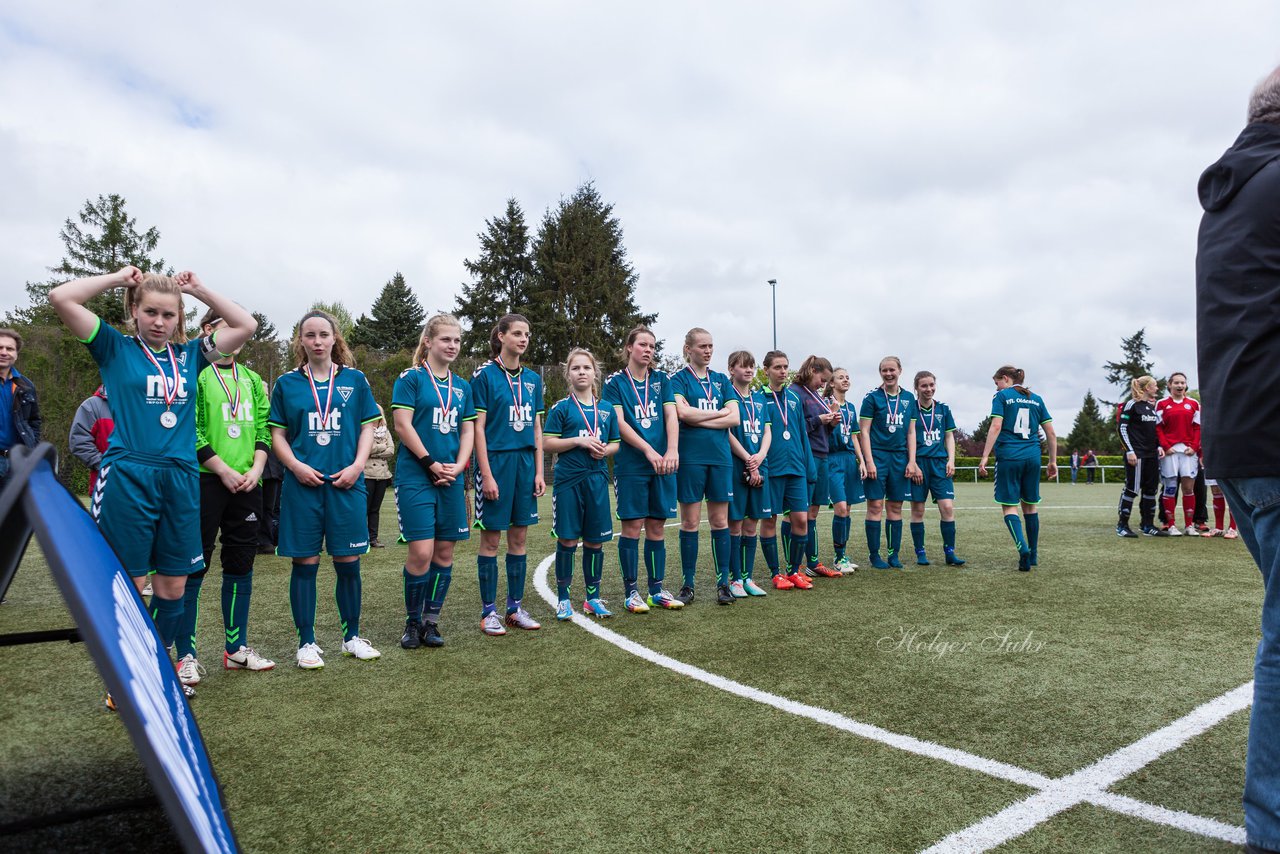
(1179, 423)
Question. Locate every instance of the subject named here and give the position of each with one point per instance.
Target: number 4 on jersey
(1022, 423)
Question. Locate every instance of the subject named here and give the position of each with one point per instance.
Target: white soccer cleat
(360, 648)
(1190, 531)
(189, 670)
(309, 657)
(245, 658)
(1174, 531)
(491, 625)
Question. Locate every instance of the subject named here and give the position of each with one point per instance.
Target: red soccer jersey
(1179, 423)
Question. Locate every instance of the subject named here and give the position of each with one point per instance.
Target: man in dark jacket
(1238, 344)
(19, 409)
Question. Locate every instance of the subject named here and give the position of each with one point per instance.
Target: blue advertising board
(115, 627)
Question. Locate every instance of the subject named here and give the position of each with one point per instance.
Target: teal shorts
(1018, 482)
(844, 478)
(935, 483)
(820, 489)
(891, 482)
(696, 481)
(516, 506)
(148, 509)
(645, 496)
(788, 493)
(581, 511)
(429, 512)
(749, 502)
(322, 517)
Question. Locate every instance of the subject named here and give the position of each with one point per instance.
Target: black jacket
(1138, 428)
(1238, 306)
(26, 412)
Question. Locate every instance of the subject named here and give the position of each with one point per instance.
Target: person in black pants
(269, 519)
(1142, 459)
(377, 476)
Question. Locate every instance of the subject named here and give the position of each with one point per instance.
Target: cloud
(960, 184)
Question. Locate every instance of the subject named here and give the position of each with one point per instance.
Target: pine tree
(500, 279)
(584, 286)
(105, 240)
(396, 320)
(1091, 429)
(1134, 363)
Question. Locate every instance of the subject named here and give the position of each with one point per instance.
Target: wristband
(426, 462)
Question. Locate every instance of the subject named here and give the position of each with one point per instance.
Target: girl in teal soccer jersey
(936, 460)
(583, 432)
(844, 468)
(644, 470)
(434, 413)
(147, 498)
(1017, 417)
(750, 442)
(791, 470)
(231, 444)
(887, 418)
(820, 418)
(509, 482)
(321, 422)
(707, 411)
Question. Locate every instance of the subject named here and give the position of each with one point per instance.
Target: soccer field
(884, 711)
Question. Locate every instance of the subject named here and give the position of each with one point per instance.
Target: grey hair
(1264, 103)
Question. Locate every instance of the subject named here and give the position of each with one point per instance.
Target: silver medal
(322, 439)
(518, 426)
(168, 420)
(786, 434)
(233, 430)
(928, 440)
(893, 428)
(444, 427)
(646, 423)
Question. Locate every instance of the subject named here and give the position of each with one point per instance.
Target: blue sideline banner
(123, 643)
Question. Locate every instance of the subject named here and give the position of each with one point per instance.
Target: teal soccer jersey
(755, 415)
(1023, 414)
(789, 452)
(329, 447)
(570, 419)
(640, 401)
(509, 402)
(891, 417)
(440, 405)
(932, 426)
(138, 387)
(703, 445)
(847, 431)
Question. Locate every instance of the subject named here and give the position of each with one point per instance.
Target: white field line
(1089, 784)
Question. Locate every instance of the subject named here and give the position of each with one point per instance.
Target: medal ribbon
(235, 379)
(594, 424)
(707, 387)
(328, 404)
(645, 399)
(753, 417)
(781, 409)
(446, 404)
(892, 410)
(170, 390)
(517, 395)
(933, 416)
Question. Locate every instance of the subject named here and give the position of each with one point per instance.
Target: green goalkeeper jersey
(231, 416)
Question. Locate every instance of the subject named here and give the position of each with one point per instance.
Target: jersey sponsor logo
(582, 434)
(156, 385)
(440, 417)
(333, 422)
(705, 405)
(892, 419)
(522, 414)
(931, 436)
(640, 411)
(244, 414)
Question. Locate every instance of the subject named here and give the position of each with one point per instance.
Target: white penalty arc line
(1055, 796)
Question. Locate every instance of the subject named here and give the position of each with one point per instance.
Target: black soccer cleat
(1024, 561)
(723, 596)
(1126, 532)
(430, 635)
(685, 595)
(411, 638)
(1153, 531)
(953, 559)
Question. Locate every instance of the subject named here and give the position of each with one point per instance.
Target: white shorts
(1177, 464)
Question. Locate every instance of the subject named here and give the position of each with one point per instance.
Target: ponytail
(1015, 375)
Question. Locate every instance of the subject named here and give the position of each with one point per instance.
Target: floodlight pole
(773, 283)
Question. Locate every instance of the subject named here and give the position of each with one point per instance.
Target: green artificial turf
(556, 740)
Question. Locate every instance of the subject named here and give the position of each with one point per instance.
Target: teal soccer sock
(348, 593)
(236, 591)
(811, 544)
(1033, 532)
(302, 600)
(839, 536)
(185, 641)
(629, 560)
(769, 546)
(735, 557)
(748, 560)
(166, 614)
(873, 537)
(1014, 524)
(917, 535)
(784, 535)
(564, 569)
(592, 570)
(895, 536)
(415, 594)
(437, 587)
(720, 554)
(689, 556)
(487, 569)
(517, 569)
(655, 564)
(948, 535)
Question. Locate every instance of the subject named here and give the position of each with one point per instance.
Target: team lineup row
(190, 445)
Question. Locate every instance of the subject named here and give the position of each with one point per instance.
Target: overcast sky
(960, 184)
